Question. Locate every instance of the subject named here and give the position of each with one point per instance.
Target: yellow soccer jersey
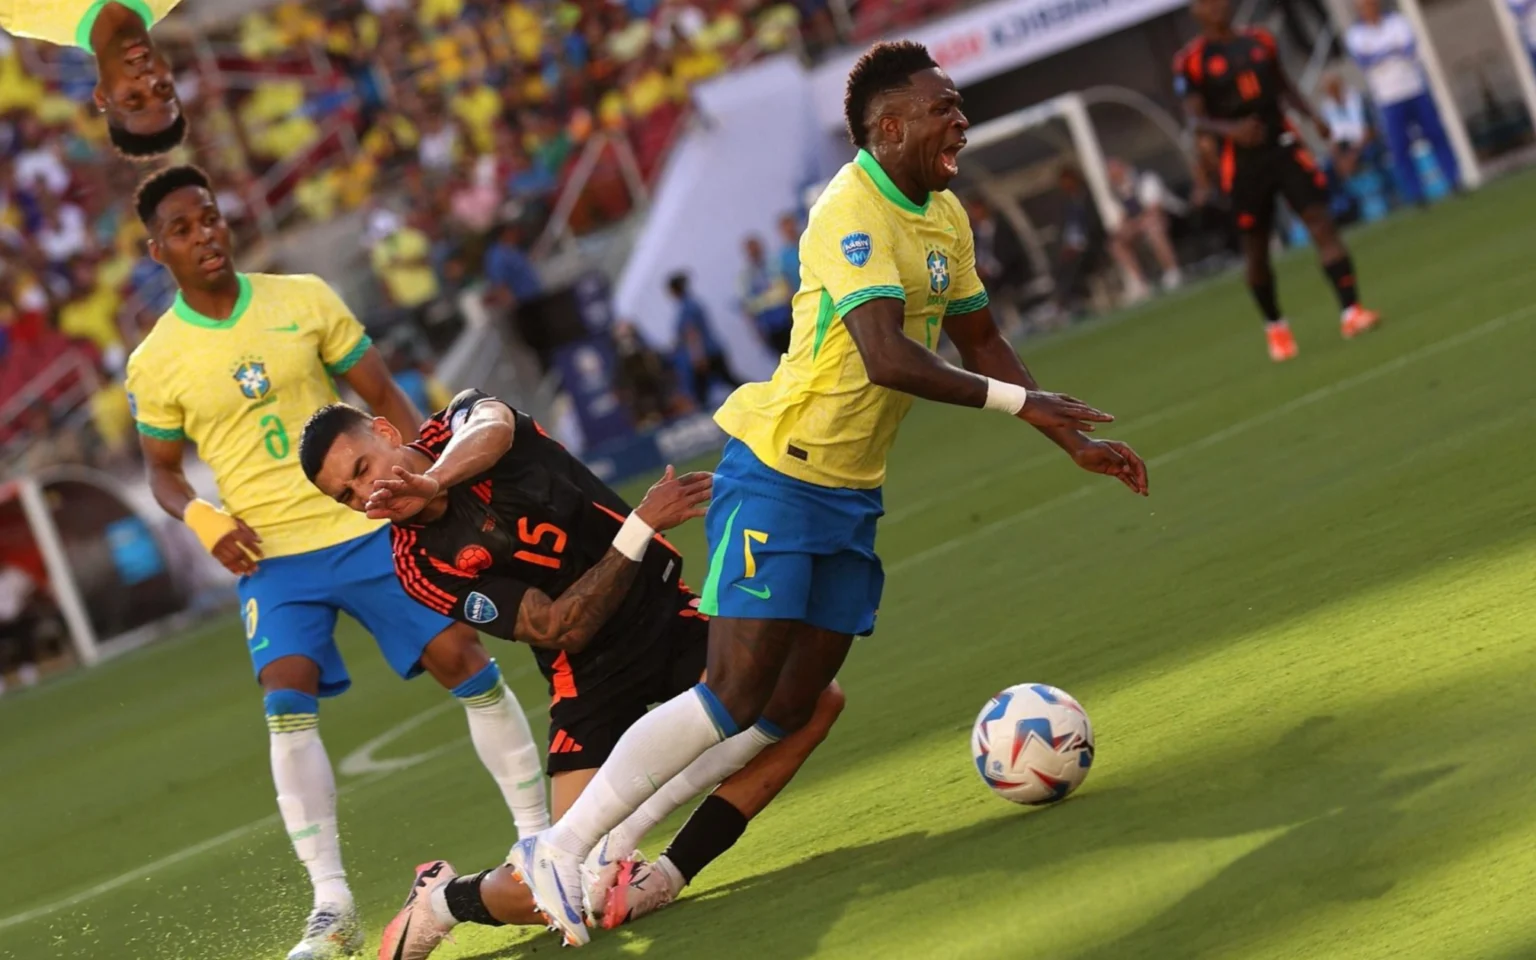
(69, 22)
(242, 388)
(820, 419)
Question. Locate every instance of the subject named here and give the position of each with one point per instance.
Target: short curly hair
(161, 184)
(883, 67)
(144, 147)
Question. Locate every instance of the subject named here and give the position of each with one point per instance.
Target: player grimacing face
(358, 458)
(933, 129)
(136, 88)
(190, 237)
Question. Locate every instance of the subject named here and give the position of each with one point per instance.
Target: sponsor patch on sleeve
(857, 247)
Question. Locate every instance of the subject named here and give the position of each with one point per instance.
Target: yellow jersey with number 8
(820, 419)
(69, 22)
(242, 388)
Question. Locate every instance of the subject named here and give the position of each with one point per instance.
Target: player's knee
(829, 706)
(455, 656)
(733, 708)
(291, 711)
(291, 673)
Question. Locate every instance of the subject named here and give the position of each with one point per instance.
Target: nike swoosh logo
(291, 328)
(264, 644)
(762, 594)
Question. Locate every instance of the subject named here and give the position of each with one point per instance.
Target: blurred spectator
(61, 235)
(1082, 242)
(508, 271)
(1143, 199)
(19, 623)
(89, 313)
(643, 381)
(1343, 109)
(789, 253)
(1000, 259)
(1525, 16)
(415, 376)
(1386, 49)
(698, 356)
(765, 292)
(401, 258)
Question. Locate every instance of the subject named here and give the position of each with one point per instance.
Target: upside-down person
(498, 526)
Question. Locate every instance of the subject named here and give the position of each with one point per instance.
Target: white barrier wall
(740, 165)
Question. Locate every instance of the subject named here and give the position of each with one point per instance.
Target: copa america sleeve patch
(479, 608)
(857, 247)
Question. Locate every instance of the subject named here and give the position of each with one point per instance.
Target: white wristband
(1006, 397)
(633, 537)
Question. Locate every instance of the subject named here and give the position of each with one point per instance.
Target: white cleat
(332, 931)
(554, 878)
(415, 932)
(599, 873)
(641, 888)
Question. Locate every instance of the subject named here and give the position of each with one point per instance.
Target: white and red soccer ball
(1032, 744)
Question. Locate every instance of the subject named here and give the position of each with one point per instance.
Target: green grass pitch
(1309, 659)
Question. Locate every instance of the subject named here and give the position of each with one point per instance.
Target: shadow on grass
(1340, 812)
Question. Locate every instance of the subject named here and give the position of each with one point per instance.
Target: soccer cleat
(332, 931)
(554, 878)
(415, 932)
(641, 888)
(1282, 344)
(1357, 320)
(598, 875)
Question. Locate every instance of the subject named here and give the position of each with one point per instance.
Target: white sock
(712, 766)
(675, 879)
(306, 798)
(651, 752)
(506, 746)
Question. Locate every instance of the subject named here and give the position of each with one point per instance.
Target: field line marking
(375, 771)
(1226, 433)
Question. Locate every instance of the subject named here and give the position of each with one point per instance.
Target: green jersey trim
(160, 433)
(888, 189)
(350, 360)
(88, 22)
(185, 312)
(967, 304)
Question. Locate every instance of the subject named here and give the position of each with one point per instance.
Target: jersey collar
(88, 22)
(883, 183)
(185, 312)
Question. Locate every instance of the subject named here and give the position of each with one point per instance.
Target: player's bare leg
(497, 725)
(1261, 283)
(641, 887)
(306, 800)
(1340, 270)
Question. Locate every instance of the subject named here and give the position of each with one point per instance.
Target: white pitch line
(922, 556)
(378, 772)
(1226, 433)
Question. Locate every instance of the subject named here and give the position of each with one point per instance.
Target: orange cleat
(1357, 320)
(1282, 344)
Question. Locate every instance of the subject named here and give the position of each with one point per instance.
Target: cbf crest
(252, 378)
(938, 272)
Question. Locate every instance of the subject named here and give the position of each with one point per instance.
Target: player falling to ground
(887, 264)
(236, 364)
(1235, 88)
(498, 525)
(135, 88)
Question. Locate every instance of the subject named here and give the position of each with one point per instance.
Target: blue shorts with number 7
(784, 549)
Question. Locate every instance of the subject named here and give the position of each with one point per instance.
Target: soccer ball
(1032, 744)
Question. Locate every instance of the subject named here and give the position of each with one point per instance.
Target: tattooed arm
(569, 622)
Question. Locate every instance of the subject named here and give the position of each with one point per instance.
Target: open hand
(402, 496)
(239, 549)
(1113, 459)
(674, 499)
(1049, 411)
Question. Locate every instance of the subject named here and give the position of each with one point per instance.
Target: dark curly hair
(144, 147)
(161, 184)
(883, 67)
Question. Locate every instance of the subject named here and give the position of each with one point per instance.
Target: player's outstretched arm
(477, 444)
(895, 361)
(229, 539)
(985, 351)
(371, 379)
(570, 621)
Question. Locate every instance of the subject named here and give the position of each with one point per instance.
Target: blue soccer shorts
(290, 603)
(784, 549)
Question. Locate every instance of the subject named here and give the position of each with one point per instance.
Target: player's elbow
(884, 369)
